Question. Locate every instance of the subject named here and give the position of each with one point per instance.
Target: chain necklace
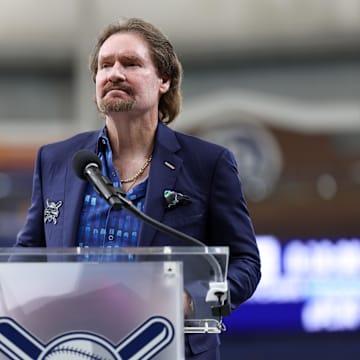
(139, 173)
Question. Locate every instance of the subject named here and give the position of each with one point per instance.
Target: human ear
(164, 85)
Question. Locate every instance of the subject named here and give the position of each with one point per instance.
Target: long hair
(163, 55)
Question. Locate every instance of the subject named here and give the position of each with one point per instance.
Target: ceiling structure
(38, 33)
(52, 29)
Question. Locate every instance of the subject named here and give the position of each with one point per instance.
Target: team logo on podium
(143, 343)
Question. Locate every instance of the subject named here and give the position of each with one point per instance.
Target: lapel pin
(174, 198)
(52, 212)
(170, 166)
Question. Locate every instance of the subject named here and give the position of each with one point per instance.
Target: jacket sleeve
(230, 225)
(32, 233)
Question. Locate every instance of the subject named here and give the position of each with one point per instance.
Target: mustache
(117, 85)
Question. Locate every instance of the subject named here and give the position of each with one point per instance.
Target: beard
(116, 105)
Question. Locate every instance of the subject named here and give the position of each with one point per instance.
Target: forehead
(125, 44)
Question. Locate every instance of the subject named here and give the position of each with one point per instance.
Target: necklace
(139, 173)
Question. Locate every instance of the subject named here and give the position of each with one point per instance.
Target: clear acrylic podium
(108, 304)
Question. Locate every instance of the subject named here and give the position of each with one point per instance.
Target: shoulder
(192, 142)
(202, 149)
(72, 144)
(78, 140)
(201, 156)
(61, 152)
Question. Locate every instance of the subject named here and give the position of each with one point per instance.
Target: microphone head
(82, 159)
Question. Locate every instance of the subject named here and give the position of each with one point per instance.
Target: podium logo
(143, 343)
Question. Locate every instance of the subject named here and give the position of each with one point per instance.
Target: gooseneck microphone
(87, 166)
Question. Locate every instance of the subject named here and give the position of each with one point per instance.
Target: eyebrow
(104, 58)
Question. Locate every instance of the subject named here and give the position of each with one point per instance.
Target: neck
(132, 141)
(130, 136)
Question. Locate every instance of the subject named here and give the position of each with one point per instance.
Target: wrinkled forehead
(128, 44)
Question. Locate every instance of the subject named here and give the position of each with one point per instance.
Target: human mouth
(121, 89)
(116, 92)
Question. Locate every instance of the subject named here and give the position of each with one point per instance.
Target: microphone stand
(218, 288)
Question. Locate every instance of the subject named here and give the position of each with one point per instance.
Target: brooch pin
(174, 198)
(51, 213)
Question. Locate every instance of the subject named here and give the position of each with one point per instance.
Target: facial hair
(115, 104)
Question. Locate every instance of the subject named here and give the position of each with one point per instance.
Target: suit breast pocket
(192, 225)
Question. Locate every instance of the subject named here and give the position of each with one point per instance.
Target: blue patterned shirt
(100, 225)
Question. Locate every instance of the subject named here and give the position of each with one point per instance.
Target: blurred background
(276, 81)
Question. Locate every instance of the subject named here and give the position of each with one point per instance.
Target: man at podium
(184, 182)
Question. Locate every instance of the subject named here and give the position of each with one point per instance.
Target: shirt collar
(103, 142)
(105, 152)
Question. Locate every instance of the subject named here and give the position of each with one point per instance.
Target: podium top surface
(151, 250)
(212, 261)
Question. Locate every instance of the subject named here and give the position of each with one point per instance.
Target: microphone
(87, 166)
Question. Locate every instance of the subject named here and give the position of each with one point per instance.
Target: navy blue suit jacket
(206, 172)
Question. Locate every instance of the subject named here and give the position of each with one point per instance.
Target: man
(137, 79)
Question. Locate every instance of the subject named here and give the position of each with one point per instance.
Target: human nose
(116, 73)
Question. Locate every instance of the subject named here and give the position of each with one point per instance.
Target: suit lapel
(164, 170)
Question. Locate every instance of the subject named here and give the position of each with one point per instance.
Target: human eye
(105, 62)
(132, 62)
(104, 65)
